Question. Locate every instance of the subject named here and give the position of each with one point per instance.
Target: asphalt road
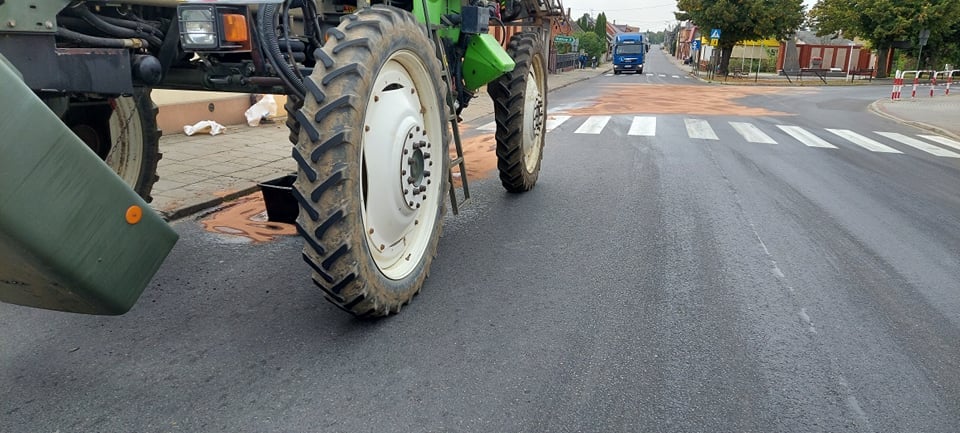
(648, 283)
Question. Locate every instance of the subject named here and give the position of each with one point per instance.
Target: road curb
(875, 108)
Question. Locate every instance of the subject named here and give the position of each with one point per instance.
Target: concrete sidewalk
(202, 171)
(940, 114)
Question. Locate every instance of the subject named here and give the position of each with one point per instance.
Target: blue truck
(629, 50)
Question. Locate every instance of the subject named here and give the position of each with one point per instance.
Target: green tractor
(374, 90)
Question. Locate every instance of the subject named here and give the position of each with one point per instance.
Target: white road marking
(862, 141)
(806, 137)
(662, 75)
(554, 121)
(942, 140)
(646, 126)
(699, 128)
(676, 76)
(492, 126)
(593, 125)
(751, 133)
(917, 144)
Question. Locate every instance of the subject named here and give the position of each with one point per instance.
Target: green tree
(601, 28)
(743, 20)
(584, 23)
(882, 22)
(591, 44)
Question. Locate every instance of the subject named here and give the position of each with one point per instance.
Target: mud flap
(73, 236)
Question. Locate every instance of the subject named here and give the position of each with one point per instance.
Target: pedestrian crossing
(650, 74)
(702, 129)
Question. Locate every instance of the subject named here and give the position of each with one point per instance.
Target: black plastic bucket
(278, 197)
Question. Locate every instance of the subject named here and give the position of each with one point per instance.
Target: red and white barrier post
(916, 82)
(933, 82)
(897, 85)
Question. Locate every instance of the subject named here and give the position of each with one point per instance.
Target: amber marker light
(235, 28)
(134, 214)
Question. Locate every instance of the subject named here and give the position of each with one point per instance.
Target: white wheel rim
(533, 118)
(126, 136)
(401, 150)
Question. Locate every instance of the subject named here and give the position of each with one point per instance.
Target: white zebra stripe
(806, 137)
(751, 133)
(917, 144)
(593, 125)
(645, 126)
(864, 142)
(699, 128)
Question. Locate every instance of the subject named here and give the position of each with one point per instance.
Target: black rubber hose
(133, 25)
(99, 42)
(268, 33)
(111, 29)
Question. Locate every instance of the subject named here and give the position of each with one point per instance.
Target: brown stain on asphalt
(480, 152)
(480, 155)
(247, 217)
(672, 99)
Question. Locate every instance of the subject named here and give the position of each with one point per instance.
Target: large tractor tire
(123, 132)
(520, 109)
(372, 161)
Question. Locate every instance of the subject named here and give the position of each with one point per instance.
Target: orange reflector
(134, 214)
(235, 28)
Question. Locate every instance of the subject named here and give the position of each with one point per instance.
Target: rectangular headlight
(198, 27)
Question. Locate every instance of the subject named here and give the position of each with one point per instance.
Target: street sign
(695, 45)
(565, 39)
(924, 35)
(715, 34)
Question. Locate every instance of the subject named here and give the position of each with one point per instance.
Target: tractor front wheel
(372, 157)
(520, 111)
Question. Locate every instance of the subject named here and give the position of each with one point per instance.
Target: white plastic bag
(266, 106)
(204, 126)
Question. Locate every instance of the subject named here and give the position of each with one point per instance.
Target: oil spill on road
(246, 219)
(480, 154)
(671, 99)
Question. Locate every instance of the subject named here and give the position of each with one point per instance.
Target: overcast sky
(653, 15)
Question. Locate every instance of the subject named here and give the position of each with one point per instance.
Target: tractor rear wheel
(372, 161)
(520, 109)
(123, 132)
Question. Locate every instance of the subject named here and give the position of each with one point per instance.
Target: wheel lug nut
(410, 180)
(403, 172)
(426, 173)
(423, 188)
(410, 160)
(426, 155)
(406, 191)
(406, 151)
(424, 196)
(418, 205)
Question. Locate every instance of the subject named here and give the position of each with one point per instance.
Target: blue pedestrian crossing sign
(715, 34)
(695, 45)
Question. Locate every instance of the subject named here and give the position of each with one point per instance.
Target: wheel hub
(415, 167)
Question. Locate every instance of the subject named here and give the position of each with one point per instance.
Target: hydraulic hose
(101, 42)
(111, 29)
(134, 25)
(271, 45)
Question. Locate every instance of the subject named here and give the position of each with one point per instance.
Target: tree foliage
(883, 22)
(585, 23)
(743, 20)
(601, 27)
(591, 44)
